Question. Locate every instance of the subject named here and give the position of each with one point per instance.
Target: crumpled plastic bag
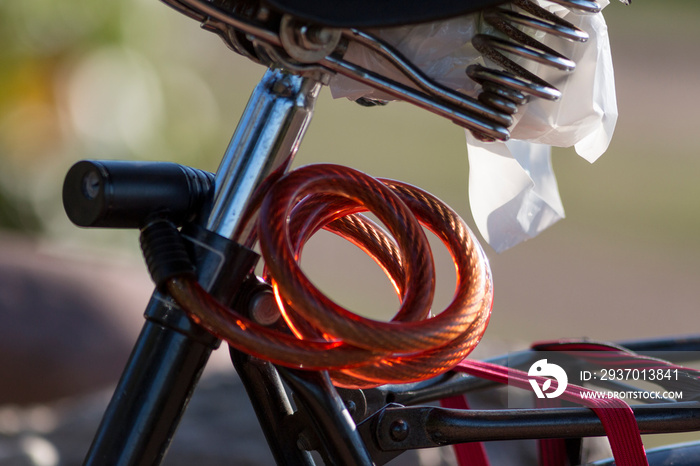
(512, 189)
(513, 192)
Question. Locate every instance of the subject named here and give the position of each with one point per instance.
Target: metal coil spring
(504, 90)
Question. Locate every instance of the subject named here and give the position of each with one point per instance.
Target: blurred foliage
(81, 79)
(16, 214)
(38, 39)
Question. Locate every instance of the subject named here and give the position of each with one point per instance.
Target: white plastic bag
(512, 189)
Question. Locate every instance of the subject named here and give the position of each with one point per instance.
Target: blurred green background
(135, 80)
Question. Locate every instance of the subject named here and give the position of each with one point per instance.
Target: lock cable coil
(321, 335)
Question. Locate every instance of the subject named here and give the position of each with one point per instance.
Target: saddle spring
(503, 90)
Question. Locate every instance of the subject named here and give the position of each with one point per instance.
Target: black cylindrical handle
(165, 252)
(125, 194)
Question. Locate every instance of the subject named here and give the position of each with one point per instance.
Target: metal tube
(340, 439)
(273, 409)
(149, 400)
(427, 427)
(272, 125)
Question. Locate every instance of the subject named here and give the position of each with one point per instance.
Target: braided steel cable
(359, 352)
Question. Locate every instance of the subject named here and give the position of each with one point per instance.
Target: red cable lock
(358, 352)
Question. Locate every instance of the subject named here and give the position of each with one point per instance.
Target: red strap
(616, 416)
(552, 451)
(472, 453)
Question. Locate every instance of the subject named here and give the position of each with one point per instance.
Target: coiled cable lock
(321, 335)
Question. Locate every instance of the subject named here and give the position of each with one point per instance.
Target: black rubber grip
(165, 252)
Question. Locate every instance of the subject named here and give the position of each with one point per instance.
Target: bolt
(399, 430)
(303, 442)
(283, 87)
(312, 37)
(92, 183)
(263, 14)
(263, 308)
(351, 406)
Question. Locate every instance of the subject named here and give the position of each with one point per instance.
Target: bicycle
(358, 424)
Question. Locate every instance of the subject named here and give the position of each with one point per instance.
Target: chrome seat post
(268, 136)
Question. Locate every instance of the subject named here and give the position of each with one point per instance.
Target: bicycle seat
(378, 13)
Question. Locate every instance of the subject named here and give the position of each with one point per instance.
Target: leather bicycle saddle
(377, 13)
